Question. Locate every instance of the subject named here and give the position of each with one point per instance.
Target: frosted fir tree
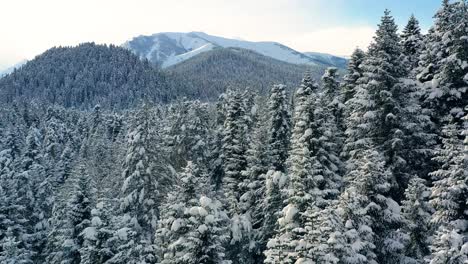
(78, 212)
(12, 252)
(448, 197)
(193, 227)
(412, 42)
(187, 133)
(357, 234)
(417, 214)
(354, 72)
(98, 236)
(272, 205)
(286, 246)
(279, 128)
(36, 191)
(443, 72)
(257, 156)
(143, 177)
(234, 151)
(235, 181)
(333, 99)
(325, 238)
(385, 111)
(371, 218)
(15, 242)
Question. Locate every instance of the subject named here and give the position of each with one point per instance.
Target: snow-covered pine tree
(78, 212)
(354, 73)
(12, 252)
(448, 197)
(235, 180)
(15, 245)
(417, 214)
(257, 156)
(279, 128)
(144, 176)
(273, 183)
(412, 43)
(443, 70)
(381, 219)
(193, 229)
(357, 233)
(385, 111)
(325, 238)
(234, 151)
(97, 243)
(287, 245)
(333, 99)
(37, 193)
(187, 133)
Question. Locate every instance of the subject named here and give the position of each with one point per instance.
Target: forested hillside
(208, 75)
(367, 168)
(84, 76)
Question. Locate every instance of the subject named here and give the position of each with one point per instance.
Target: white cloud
(336, 40)
(29, 27)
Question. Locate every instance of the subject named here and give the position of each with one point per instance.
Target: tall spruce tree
(144, 176)
(354, 72)
(417, 214)
(385, 111)
(278, 128)
(287, 245)
(443, 72)
(193, 228)
(235, 180)
(449, 196)
(412, 43)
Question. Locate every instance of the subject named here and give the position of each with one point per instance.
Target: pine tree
(79, 215)
(417, 213)
(372, 211)
(144, 177)
(278, 128)
(449, 195)
(412, 43)
(15, 243)
(354, 72)
(188, 133)
(97, 243)
(235, 180)
(234, 151)
(193, 227)
(36, 192)
(443, 72)
(385, 111)
(286, 246)
(257, 157)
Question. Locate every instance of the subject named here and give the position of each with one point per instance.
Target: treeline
(372, 169)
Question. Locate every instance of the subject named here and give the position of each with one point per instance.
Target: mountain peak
(169, 48)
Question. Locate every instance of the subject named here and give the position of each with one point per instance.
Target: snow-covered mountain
(336, 61)
(167, 49)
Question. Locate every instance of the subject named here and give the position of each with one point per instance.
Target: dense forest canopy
(366, 168)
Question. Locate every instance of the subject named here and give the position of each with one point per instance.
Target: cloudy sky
(29, 27)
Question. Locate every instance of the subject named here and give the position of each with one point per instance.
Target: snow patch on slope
(174, 59)
(169, 48)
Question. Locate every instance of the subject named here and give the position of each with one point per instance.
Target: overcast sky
(29, 27)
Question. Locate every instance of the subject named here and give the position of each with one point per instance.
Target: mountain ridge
(166, 49)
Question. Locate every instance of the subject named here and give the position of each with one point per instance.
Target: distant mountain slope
(83, 76)
(339, 62)
(167, 49)
(207, 75)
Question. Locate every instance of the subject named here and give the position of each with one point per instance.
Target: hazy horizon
(334, 26)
